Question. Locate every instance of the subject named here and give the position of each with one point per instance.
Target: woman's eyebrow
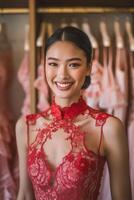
(75, 58)
(68, 60)
(51, 58)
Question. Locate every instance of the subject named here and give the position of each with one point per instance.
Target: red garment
(78, 176)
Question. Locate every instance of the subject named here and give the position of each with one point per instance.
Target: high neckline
(68, 112)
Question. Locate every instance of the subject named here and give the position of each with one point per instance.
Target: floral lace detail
(68, 112)
(79, 174)
(99, 116)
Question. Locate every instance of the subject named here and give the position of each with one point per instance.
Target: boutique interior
(24, 27)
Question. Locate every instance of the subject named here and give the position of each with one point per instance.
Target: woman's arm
(116, 151)
(25, 187)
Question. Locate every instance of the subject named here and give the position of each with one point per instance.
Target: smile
(63, 86)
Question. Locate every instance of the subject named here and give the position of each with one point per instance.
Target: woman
(63, 153)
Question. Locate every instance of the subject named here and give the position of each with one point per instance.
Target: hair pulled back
(76, 36)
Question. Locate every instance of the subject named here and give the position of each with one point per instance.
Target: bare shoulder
(20, 125)
(21, 131)
(114, 134)
(113, 126)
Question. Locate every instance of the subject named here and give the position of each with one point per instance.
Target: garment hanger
(41, 38)
(4, 41)
(128, 27)
(26, 43)
(104, 33)
(86, 28)
(3, 29)
(49, 29)
(118, 35)
(63, 23)
(74, 23)
(0, 27)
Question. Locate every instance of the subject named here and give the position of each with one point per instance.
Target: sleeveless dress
(78, 174)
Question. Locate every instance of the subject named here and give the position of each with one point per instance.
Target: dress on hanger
(41, 84)
(93, 92)
(121, 78)
(131, 124)
(78, 173)
(110, 99)
(23, 77)
(111, 96)
(106, 102)
(7, 168)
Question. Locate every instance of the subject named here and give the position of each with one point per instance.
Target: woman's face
(66, 68)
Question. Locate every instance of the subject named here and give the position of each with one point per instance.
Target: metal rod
(85, 10)
(14, 10)
(68, 10)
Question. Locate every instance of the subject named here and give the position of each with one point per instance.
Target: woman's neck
(65, 102)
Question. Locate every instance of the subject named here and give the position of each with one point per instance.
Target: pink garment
(131, 124)
(106, 102)
(105, 192)
(7, 184)
(111, 96)
(121, 76)
(78, 175)
(8, 171)
(131, 152)
(23, 77)
(42, 86)
(93, 92)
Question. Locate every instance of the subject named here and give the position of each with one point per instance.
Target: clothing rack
(85, 10)
(76, 9)
(14, 10)
(33, 11)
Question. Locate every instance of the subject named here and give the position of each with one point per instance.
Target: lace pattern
(79, 174)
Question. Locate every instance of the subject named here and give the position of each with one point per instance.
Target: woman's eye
(74, 65)
(53, 64)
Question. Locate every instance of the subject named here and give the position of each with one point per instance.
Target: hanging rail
(14, 10)
(68, 10)
(84, 10)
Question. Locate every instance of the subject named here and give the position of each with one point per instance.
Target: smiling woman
(66, 70)
(67, 145)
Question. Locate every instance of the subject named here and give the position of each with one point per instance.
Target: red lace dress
(77, 175)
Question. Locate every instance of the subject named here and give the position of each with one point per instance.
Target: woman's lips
(64, 85)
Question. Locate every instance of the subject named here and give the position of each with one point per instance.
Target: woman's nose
(62, 71)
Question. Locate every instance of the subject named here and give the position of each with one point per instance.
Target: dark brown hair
(76, 36)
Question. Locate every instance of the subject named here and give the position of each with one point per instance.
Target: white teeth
(64, 84)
